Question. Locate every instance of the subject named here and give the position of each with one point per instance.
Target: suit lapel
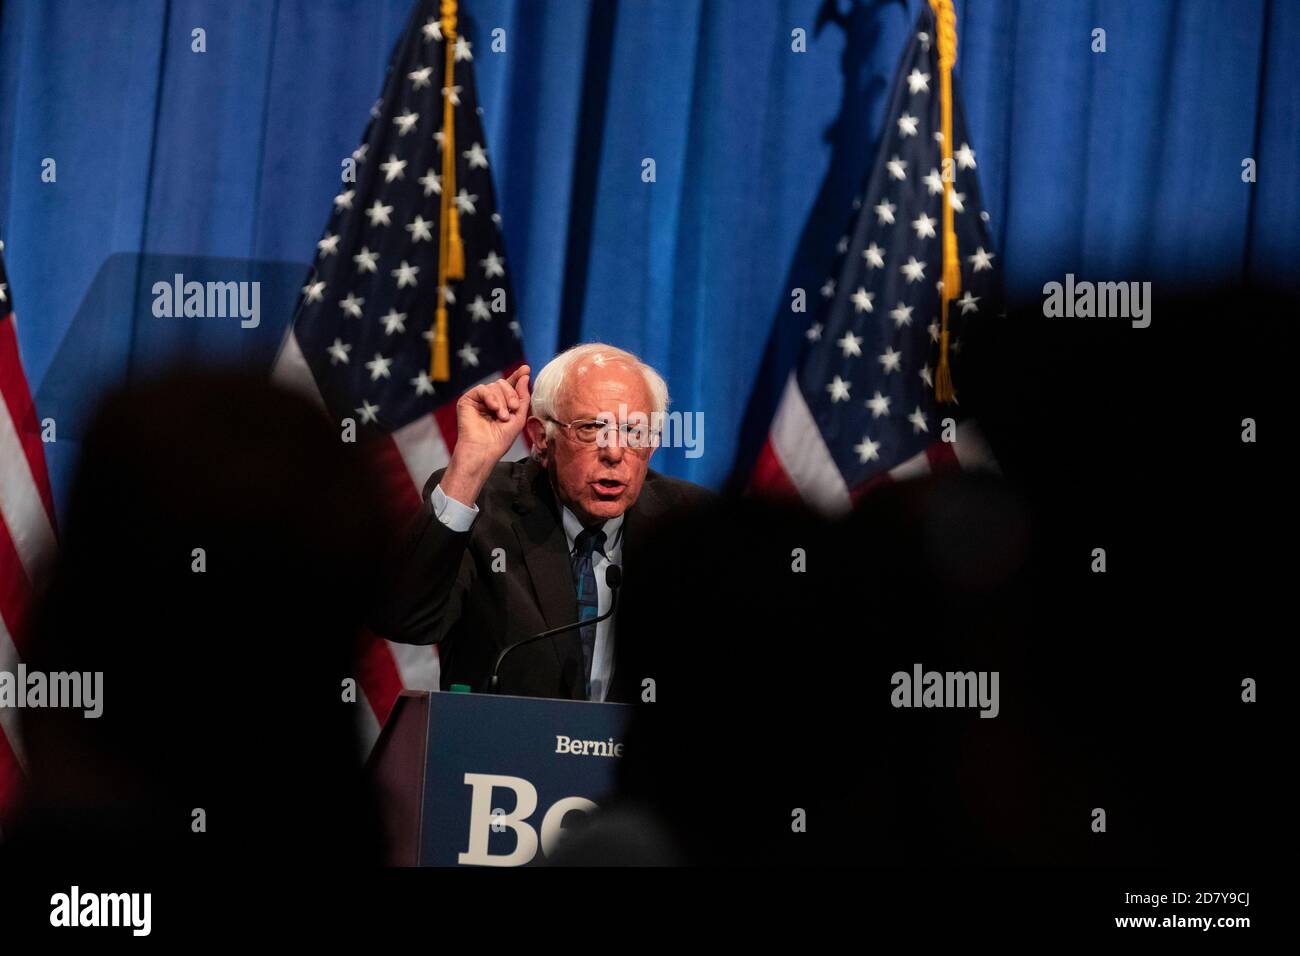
(545, 550)
(637, 526)
(641, 517)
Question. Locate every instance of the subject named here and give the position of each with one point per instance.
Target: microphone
(613, 578)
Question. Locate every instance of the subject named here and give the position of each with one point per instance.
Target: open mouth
(608, 487)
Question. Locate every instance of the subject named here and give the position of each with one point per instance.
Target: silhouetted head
(220, 548)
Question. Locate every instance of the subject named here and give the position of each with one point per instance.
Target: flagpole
(946, 21)
(451, 253)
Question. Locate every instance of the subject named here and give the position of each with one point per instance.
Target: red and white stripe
(27, 535)
(795, 461)
(406, 458)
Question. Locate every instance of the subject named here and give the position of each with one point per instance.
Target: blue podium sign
(504, 774)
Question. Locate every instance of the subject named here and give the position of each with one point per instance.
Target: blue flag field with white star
(365, 319)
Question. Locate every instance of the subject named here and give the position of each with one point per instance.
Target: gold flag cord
(946, 19)
(451, 252)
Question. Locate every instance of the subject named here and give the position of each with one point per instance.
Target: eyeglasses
(590, 431)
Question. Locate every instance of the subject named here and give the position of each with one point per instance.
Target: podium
(484, 780)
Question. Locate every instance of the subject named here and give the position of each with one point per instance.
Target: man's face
(601, 480)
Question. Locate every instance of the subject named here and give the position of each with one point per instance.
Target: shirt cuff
(450, 512)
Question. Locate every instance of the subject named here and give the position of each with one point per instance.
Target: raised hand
(489, 418)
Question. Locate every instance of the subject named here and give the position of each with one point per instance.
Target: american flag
(362, 335)
(860, 407)
(27, 527)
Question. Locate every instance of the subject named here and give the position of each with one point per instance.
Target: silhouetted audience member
(1121, 689)
(773, 740)
(218, 552)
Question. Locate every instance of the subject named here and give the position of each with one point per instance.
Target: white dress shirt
(602, 658)
(459, 517)
(453, 514)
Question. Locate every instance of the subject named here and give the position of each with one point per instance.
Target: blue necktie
(588, 542)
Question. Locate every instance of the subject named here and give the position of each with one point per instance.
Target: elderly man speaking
(505, 550)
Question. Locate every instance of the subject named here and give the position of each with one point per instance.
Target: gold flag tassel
(946, 20)
(451, 252)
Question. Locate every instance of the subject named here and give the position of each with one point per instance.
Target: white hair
(550, 380)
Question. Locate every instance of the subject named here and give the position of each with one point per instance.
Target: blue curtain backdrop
(1124, 163)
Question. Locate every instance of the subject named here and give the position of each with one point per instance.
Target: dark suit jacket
(444, 589)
